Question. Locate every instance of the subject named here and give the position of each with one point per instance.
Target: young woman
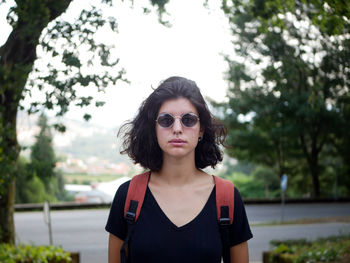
(175, 136)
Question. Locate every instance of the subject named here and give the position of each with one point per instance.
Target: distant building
(97, 192)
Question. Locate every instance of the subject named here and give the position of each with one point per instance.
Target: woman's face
(178, 141)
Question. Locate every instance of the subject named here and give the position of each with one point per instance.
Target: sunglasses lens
(165, 120)
(189, 120)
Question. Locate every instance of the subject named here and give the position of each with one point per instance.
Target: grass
(88, 179)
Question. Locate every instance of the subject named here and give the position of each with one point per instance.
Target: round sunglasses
(166, 120)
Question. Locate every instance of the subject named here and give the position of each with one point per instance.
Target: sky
(150, 52)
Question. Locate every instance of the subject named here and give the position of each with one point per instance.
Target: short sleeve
(240, 229)
(116, 223)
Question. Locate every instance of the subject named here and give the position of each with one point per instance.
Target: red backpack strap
(135, 196)
(133, 204)
(225, 195)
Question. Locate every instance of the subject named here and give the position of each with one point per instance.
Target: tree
(43, 160)
(289, 86)
(38, 180)
(37, 24)
(29, 187)
(268, 178)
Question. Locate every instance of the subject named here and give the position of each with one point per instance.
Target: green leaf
(87, 116)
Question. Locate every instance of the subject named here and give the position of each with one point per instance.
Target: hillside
(82, 140)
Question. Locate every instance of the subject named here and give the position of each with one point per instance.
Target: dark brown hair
(140, 141)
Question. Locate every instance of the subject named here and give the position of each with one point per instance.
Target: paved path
(83, 230)
(273, 212)
(74, 230)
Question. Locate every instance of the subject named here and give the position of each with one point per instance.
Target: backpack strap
(135, 196)
(134, 200)
(225, 194)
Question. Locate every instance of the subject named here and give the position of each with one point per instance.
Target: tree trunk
(7, 201)
(8, 164)
(314, 169)
(266, 191)
(311, 154)
(17, 58)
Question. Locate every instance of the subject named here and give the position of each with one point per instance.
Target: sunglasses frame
(176, 117)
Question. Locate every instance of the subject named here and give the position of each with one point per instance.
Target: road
(83, 230)
(268, 213)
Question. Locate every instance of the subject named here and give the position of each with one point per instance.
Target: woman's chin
(178, 153)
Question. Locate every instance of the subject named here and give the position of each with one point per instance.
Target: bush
(31, 189)
(249, 187)
(332, 249)
(33, 254)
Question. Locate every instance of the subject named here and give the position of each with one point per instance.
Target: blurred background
(276, 73)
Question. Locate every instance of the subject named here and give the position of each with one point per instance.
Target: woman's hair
(140, 140)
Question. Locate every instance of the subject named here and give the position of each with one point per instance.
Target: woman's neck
(177, 173)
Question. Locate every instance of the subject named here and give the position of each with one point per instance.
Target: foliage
(33, 192)
(43, 160)
(38, 181)
(60, 193)
(23, 176)
(33, 254)
(32, 189)
(289, 85)
(268, 178)
(252, 187)
(257, 181)
(331, 249)
(73, 55)
(253, 181)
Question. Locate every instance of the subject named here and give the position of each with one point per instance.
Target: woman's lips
(177, 142)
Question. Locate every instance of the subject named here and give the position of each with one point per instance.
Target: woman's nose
(177, 127)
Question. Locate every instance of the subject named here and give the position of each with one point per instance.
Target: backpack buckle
(224, 221)
(130, 216)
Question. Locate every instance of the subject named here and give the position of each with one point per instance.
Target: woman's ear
(201, 132)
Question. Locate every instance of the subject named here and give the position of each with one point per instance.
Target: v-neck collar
(166, 218)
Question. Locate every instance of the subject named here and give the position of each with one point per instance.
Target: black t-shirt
(157, 239)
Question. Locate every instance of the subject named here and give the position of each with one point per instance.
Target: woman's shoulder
(122, 191)
(123, 188)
